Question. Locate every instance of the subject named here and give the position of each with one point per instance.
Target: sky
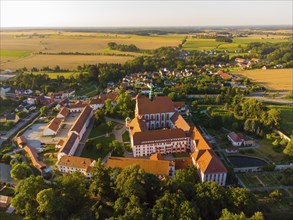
(75, 13)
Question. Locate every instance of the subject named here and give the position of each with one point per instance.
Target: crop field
(238, 43)
(54, 75)
(21, 49)
(275, 79)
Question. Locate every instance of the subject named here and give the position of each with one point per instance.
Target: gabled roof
(201, 142)
(76, 162)
(68, 143)
(34, 157)
(159, 104)
(179, 104)
(80, 121)
(239, 137)
(54, 125)
(154, 135)
(21, 140)
(157, 156)
(208, 162)
(78, 104)
(64, 112)
(157, 167)
(179, 122)
(137, 125)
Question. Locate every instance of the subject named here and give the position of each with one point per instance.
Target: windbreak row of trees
(131, 194)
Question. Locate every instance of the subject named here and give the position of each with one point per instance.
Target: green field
(211, 44)
(286, 124)
(265, 179)
(14, 53)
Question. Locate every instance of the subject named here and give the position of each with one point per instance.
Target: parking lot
(35, 138)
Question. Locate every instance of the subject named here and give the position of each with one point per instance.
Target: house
(45, 100)
(10, 117)
(53, 127)
(21, 141)
(69, 164)
(236, 139)
(63, 113)
(240, 60)
(33, 155)
(5, 201)
(77, 107)
(62, 103)
(180, 106)
(69, 146)
(30, 101)
(161, 168)
(97, 103)
(223, 75)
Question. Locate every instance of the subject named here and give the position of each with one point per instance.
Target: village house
(77, 106)
(237, 140)
(70, 164)
(10, 117)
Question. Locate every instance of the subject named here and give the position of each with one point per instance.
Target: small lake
(244, 161)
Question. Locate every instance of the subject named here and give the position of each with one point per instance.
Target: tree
(125, 105)
(22, 114)
(99, 116)
(117, 147)
(173, 96)
(20, 171)
(6, 158)
(26, 192)
(226, 215)
(100, 186)
(109, 125)
(44, 110)
(109, 109)
(47, 203)
(289, 148)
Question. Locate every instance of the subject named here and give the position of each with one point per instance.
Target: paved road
(262, 97)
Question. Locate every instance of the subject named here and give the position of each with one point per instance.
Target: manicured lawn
(101, 129)
(266, 148)
(125, 136)
(91, 151)
(14, 53)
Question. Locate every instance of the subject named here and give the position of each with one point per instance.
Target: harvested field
(30, 43)
(64, 61)
(274, 79)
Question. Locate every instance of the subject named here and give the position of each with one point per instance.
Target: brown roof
(96, 101)
(160, 104)
(54, 125)
(236, 137)
(34, 157)
(223, 75)
(209, 162)
(61, 142)
(78, 104)
(137, 125)
(77, 162)
(64, 111)
(182, 164)
(179, 122)
(153, 135)
(80, 121)
(157, 156)
(157, 167)
(68, 143)
(201, 142)
(113, 96)
(21, 140)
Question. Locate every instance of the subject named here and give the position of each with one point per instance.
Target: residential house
(10, 117)
(45, 100)
(69, 146)
(5, 201)
(236, 139)
(77, 107)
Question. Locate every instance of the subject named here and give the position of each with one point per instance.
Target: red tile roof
(160, 104)
(157, 167)
(157, 156)
(34, 157)
(67, 145)
(64, 111)
(236, 137)
(55, 124)
(80, 121)
(76, 162)
(201, 142)
(179, 122)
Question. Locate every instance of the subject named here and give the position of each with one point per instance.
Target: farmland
(30, 49)
(238, 43)
(274, 79)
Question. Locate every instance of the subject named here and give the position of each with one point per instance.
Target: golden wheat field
(19, 49)
(275, 79)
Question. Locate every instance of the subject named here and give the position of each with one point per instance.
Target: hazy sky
(143, 13)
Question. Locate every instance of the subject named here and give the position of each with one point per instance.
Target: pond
(5, 173)
(244, 161)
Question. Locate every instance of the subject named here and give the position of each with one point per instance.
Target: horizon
(143, 14)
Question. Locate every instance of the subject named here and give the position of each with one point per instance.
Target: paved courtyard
(35, 138)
